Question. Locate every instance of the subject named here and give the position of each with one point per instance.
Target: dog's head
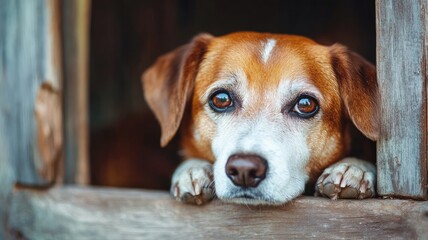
(270, 111)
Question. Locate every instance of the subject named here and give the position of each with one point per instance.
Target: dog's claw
(348, 179)
(192, 182)
(175, 191)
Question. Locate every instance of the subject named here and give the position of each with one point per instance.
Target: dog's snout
(246, 170)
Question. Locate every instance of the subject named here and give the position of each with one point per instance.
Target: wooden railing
(96, 213)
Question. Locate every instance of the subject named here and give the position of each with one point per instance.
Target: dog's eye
(306, 106)
(220, 101)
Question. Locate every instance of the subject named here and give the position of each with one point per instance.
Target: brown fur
(347, 81)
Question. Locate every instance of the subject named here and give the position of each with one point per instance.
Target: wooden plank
(75, 26)
(95, 213)
(402, 75)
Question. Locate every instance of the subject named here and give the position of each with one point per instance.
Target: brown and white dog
(264, 115)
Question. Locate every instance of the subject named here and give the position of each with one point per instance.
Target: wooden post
(402, 74)
(30, 89)
(30, 96)
(75, 32)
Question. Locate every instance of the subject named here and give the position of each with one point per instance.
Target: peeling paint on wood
(48, 114)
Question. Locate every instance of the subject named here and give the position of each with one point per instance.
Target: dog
(263, 117)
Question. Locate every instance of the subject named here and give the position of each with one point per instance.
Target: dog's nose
(246, 170)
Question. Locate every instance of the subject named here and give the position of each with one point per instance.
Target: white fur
(269, 133)
(190, 177)
(288, 89)
(284, 151)
(196, 135)
(235, 81)
(267, 48)
(349, 172)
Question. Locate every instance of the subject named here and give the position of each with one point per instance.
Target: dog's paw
(349, 178)
(192, 182)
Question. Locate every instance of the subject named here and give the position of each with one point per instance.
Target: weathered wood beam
(30, 96)
(95, 213)
(402, 43)
(30, 87)
(75, 33)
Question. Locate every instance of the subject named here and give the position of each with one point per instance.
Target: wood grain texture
(30, 58)
(402, 75)
(89, 213)
(75, 30)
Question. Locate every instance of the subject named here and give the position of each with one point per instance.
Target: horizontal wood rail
(97, 213)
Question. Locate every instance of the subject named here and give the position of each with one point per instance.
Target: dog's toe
(193, 183)
(347, 179)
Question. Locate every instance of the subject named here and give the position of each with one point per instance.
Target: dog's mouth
(246, 193)
(249, 198)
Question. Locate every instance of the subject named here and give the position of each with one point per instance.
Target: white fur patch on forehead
(267, 48)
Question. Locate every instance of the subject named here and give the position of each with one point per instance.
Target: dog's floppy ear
(168, 84)
(358, 88)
